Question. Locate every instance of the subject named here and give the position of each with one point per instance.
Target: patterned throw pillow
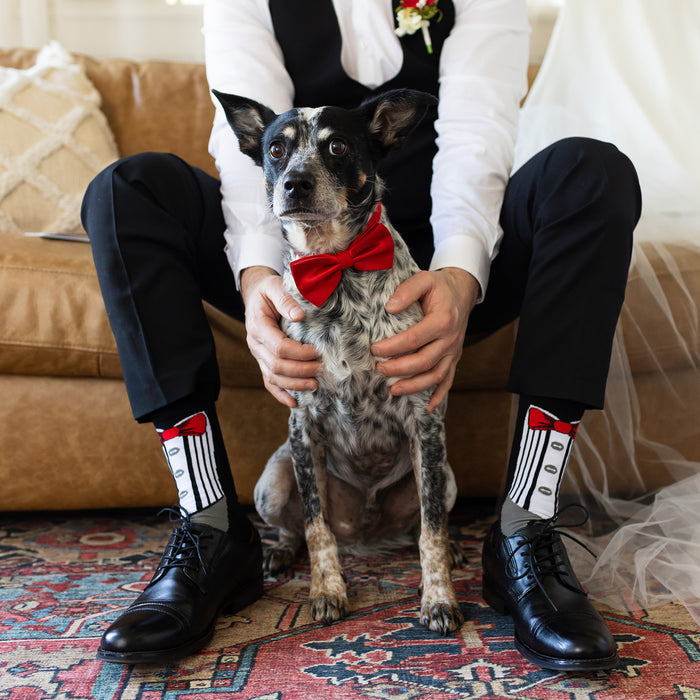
(53, 140)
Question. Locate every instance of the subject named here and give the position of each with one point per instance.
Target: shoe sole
(163, 656)
(548, 662)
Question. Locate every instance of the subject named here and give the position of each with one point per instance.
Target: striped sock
(539, 457)
(193, 445)
(189, 449)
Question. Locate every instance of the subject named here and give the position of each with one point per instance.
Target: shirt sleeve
(483, 77)
(243, 58)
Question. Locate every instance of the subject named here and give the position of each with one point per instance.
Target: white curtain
(135, 29)
(627, 72)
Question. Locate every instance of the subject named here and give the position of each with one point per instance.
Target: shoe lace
(544, 558)
(183, 550)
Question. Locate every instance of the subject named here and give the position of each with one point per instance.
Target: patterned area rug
(64, 578)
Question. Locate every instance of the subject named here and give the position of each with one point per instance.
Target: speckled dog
(359, 464)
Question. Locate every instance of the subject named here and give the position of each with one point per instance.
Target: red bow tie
(539, 420)
(317, 276)
(196, 425)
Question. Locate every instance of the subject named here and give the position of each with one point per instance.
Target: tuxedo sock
(542, 443)
(194, 449)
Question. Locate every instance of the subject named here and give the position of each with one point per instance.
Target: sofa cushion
(53, 321)
(53, 141)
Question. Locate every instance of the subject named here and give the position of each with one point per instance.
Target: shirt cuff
(266, 252)
(466, 253)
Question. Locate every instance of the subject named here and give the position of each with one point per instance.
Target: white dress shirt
(483, 77)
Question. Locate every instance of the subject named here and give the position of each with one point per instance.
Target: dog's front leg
(329, 601)
(440, 610)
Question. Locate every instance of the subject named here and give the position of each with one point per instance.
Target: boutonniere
(412, 15)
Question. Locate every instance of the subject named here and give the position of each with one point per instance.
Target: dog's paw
(328, 608)
(277, 559)
(441, 617)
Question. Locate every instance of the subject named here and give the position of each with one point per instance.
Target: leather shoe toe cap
(142, 630)
(573, 636)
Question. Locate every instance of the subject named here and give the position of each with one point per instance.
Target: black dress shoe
(529, 576)
(203, 572)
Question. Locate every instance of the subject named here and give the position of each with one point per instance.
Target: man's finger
(267, 333)
(288, 371)
(281, 395)
(425, 380)
(410, 340)
(413, 363)
(409, 292)
(285, 304)
(442, 389)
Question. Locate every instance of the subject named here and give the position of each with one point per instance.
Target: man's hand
(430, 350)
(285, 363)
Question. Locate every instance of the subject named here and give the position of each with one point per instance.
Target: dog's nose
(298, 184)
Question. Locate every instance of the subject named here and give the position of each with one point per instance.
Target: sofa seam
(57, 346)
(54, 270)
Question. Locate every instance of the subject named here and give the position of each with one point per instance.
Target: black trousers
(156, 229)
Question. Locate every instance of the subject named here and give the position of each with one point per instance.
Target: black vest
(309, 36)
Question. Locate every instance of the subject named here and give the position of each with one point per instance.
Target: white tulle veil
(628, 72)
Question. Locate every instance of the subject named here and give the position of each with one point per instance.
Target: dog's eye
(337, 147)
(277, 149)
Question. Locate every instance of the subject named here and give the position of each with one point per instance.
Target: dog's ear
(248, 120)
(392, 116)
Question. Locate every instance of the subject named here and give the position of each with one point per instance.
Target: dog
(359, 464)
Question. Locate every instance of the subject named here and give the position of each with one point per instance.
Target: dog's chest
(346, 326)
(352, 412)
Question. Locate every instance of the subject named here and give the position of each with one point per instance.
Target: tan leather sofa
(68, 439)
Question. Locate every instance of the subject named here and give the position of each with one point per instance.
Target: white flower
(409, 21)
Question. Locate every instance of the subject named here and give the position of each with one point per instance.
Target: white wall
(137, 29)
